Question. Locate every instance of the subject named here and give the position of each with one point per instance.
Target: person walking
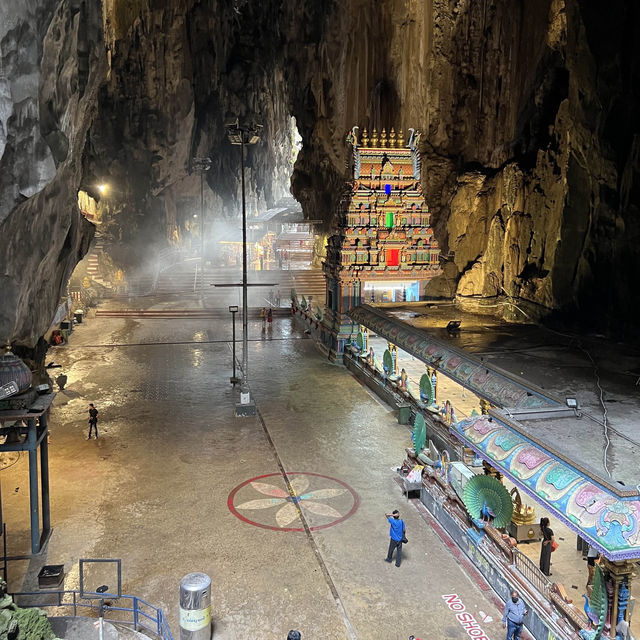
(263, 316)
(513, 616)
(270, 317)
(396, 534)
(545, 550)
(93, 420)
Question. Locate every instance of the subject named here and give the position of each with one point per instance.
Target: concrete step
(81, 628)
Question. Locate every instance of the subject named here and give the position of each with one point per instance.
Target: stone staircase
(93, 261)
(85, 628)
(186, 279)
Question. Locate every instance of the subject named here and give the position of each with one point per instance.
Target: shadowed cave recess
(529, 113)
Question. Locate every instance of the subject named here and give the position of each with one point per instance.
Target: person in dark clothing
(93, 420)
(294, 635)
(396, 536)
(545, 551)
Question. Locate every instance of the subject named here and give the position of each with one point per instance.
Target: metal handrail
(531, 572)
(144, 615)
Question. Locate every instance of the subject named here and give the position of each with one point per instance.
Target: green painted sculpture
(387, 362)
(294, 297)
(486, 498)
(303, 303)
(426, 390)
(419, 433)
(360, 341)
(596, 606)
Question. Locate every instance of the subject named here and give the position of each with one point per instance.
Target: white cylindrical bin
(195, 607)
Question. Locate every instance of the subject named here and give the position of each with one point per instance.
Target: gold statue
(522, 514)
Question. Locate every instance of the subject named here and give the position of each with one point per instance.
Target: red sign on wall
(393, 258)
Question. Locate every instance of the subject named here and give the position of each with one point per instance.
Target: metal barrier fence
(140, 615)
(531, 572)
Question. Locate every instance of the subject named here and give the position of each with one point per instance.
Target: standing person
(278, 298)
(270, 317)
(545, 551)
(396, 535)
(592, 557)
(263, 316)
(513, 616)
(93, 420)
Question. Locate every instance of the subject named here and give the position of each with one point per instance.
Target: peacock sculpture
(486, 498)
(419, 433)
(387, 362)
(596, 607)
(360, 341)
(426, 390)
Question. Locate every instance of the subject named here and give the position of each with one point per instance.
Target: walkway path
(154, 489)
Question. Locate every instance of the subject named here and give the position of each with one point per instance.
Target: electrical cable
(579, 345)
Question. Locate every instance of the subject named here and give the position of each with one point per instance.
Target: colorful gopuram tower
(382, 248)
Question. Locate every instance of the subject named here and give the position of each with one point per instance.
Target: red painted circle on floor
(286, 499)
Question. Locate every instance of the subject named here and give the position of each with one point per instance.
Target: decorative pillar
(620, 572)
(433, 375)
(393, 350)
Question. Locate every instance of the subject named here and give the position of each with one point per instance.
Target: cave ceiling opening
(529, 114)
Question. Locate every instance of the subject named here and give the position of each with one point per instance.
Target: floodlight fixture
(102, 188)
(572, 403)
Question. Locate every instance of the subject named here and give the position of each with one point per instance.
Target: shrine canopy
(496, 386)
(605, 514)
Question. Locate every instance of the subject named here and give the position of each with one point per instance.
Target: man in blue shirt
(396, 533)
(513, 616)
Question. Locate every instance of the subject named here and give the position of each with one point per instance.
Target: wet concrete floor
(165, 487)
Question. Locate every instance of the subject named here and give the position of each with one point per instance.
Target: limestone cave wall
(528, 113)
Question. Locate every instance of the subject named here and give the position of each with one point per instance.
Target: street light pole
(241, 135)
(203, 165)
(245, 397)
(234, 309)
(201, 226)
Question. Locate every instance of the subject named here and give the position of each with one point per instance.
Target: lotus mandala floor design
(265, 502)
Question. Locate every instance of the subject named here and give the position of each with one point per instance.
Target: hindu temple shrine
(319, 319)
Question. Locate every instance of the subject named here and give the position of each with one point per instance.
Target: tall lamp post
(241, 135)
(202, 165)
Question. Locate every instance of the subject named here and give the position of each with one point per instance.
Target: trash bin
(78, 315)
(404, 413)
(195, 607)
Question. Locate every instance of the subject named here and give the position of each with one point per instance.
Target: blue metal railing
(143, 615)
